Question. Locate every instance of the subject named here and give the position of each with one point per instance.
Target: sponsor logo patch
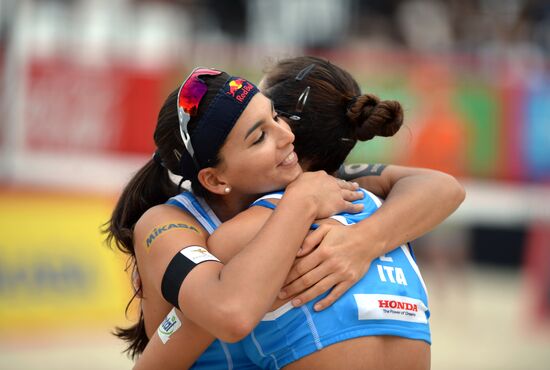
(390, 307)
(169, 326)
(198, 254)
(239, 89)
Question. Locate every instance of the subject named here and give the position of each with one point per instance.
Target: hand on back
(330, 195)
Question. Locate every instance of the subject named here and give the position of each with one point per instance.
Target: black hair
(152, 185)
(335, 114)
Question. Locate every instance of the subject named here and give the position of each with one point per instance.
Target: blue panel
(536, 145)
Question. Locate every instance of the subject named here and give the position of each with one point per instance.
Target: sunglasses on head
(190, 94)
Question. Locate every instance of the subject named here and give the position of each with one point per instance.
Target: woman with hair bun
(381, 317)
(333, 112)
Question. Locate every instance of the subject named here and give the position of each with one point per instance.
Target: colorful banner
(458, 119)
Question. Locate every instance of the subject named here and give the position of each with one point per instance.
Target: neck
(228, 206)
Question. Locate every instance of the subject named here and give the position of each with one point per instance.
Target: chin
(297, 173)
(293, 177)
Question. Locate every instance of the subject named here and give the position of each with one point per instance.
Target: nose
(285, 135)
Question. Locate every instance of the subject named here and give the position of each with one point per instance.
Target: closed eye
(259, 139)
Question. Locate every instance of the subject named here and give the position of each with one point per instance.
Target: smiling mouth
(290, 159)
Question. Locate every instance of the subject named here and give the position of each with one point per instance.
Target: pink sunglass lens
(193, 90)
(191, 95)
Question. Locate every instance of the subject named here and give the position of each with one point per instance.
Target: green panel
(377, 150)
(382, 149)
(480, 109)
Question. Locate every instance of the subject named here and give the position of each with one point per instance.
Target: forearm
(227, 301)
(245, 290)
(416, 201)
(230, 238)
(178, 350)
(415, 204)
(275, 247)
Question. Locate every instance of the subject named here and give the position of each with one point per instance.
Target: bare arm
(218, 297)
(184, 346)
(228, 239)
(179, 348)
(417, 200)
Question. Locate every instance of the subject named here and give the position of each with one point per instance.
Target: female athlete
(366, 346)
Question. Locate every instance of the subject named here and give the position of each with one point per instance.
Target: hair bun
(373, 117)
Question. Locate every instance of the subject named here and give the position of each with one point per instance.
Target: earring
(227, 190)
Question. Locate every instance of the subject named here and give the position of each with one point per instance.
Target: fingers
(348, 185)
(336, 293)
(315, 291)
(352, 207)
(303, 275)
(351, 195)
(312, 240)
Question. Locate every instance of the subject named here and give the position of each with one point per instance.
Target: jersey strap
(262, 201)
(198, 208)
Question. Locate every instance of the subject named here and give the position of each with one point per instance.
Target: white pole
(16, 14)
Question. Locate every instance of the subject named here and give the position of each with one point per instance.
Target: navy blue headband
(220, 117)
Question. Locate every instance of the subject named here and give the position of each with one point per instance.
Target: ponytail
(135, 335)
(150, 186)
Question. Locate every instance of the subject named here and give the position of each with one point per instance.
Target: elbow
(236, 322)
(235, 328)
(458, 191)
(462, 194)
(452, 190)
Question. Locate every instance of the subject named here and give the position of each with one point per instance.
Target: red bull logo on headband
(239, 88)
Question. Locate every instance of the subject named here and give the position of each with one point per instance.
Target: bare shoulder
(164, 213)
(165, 228)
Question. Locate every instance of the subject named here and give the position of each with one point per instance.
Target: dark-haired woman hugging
(382, 320)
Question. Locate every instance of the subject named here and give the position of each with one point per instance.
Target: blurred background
(82, 82)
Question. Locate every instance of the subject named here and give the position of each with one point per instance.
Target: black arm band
(178, 269)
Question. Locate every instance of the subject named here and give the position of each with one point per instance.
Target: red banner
(74, 107)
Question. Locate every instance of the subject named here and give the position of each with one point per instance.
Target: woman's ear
(212, 181)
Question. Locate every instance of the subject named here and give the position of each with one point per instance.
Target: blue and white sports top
(219, 355)
(370, 204)
(391, 299)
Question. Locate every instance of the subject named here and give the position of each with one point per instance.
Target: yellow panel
(55, 270)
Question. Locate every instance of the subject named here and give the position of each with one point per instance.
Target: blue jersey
(390, 299)
(219, 355)
(370, 204)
